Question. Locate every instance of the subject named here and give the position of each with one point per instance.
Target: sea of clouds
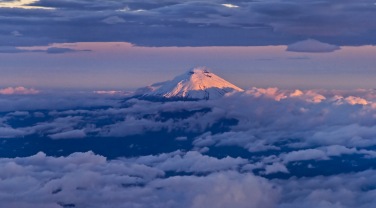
(292, 148)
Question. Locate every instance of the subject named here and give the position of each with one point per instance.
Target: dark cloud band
(186, 23)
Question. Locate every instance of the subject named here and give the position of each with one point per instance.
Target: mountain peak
(198, 70)
(197, 83)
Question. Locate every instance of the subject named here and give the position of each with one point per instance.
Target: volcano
(197, 83)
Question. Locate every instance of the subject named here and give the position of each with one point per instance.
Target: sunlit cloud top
(18, 91)
(23, 4)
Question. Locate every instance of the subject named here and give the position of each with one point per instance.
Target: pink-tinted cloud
(18, 91)
(352, 100)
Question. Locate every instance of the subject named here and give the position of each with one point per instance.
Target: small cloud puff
(18, 91)
(276, 168)
(273, 93)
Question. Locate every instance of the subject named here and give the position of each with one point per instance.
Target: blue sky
(129, 44)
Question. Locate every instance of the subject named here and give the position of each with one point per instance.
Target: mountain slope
(197, 83)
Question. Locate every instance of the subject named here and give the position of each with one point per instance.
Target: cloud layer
(187, 23)
(262, 147)
(89, 180)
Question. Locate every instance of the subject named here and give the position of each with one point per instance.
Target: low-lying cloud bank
(259, 148)
(90, 180)
(311, 115)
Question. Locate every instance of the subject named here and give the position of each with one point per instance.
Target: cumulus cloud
(337, 150)
(191, 162)
(345, 190)
(86, 179)
(278, 95)
(309, 154)
(356, 100)
(312, 46)
(268, 92)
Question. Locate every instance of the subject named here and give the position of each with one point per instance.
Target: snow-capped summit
(197, 83)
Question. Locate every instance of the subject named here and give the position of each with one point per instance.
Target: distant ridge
(196, 84)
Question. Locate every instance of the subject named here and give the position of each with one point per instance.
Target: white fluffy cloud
(89, 180)
(300, 155)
